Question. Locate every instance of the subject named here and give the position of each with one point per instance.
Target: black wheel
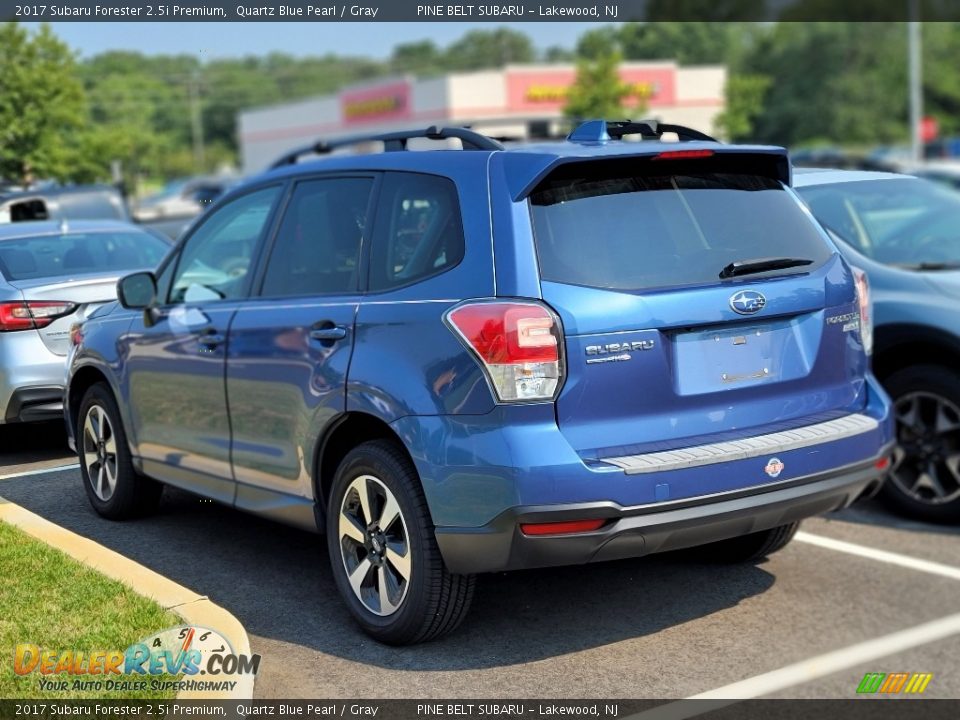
(924, 480)
(115, 489)
(384, 556)
(747, 548)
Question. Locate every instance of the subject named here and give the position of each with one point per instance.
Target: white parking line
(41, 471)
(805, 671)
(836, 660)
(891, 558)
(833, 661)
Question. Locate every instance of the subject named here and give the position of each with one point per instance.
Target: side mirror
(137, 291)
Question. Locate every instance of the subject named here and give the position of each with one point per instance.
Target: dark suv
(466, 361)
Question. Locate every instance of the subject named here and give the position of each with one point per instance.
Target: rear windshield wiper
(759, 265)
(947, 265)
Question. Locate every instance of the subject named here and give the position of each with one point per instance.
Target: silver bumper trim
(744, 448)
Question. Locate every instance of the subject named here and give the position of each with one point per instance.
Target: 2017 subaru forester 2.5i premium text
(466, 361)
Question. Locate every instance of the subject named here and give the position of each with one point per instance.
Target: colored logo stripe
(892, 683)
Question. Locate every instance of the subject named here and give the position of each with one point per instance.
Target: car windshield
(902, 221)
(79, 253)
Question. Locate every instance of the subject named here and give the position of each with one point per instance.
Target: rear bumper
(643, 530)
(31, 378)
(35, 403)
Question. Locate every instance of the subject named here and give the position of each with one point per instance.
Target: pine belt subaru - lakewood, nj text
(481, 359)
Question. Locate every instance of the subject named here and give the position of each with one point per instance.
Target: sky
(219, 40)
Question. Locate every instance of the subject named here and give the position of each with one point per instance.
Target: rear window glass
(677, 224)
(72, 254)
(91, 206)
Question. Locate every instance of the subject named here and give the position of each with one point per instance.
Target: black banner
(507, 10)
(862, 708)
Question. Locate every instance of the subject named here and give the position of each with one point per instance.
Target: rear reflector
(32, 314)
(518, 344)
(882, 464)
(683, 154)
(561, 528)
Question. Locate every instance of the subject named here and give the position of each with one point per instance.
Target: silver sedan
(52, 276)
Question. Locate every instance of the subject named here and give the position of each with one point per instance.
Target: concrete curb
(195, 609)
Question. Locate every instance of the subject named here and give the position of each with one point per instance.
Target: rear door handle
(329, 333)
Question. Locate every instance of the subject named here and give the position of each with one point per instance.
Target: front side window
(216, 260)
(317, 250)
(418, 231)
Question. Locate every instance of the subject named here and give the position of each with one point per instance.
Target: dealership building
(517, 102)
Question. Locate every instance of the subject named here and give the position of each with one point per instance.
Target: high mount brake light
(518, 343)
(862, 284)
(32, 314)
(683, 154)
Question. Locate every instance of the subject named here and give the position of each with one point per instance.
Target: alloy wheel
(374, 545)
(926, 463)
(100, 452)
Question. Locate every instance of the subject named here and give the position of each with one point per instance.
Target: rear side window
(317, 250)
(645, 225)
(418, 231)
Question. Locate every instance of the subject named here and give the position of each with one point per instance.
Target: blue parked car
(905, 233)
(475, 360)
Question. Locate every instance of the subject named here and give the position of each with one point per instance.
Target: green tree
(41, 104)
(481, 49)
(417, 58)
(689, 43)
(598, 91)
(744, 103)
(558, 54)
(599, 42)
(842, 81)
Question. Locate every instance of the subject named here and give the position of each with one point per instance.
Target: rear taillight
(519, 344)
(33, 314)
(866, 309)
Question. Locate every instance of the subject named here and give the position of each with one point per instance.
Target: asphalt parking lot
(860, 591)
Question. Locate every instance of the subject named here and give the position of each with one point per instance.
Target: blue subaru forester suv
(482, 359)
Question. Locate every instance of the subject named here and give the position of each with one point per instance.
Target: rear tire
(114, 487)
(924, 482)
(383, 552)
(748, 548)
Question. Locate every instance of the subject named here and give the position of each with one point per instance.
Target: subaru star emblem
(747, 302)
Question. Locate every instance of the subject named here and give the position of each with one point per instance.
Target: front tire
(114, 487)
(924, 482)
(383, 553)
(748, 548)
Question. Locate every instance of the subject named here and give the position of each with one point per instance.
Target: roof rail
(392, 141)
(599, 131)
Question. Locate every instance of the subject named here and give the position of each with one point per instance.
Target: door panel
(286, 378)
(290, 349)
(175, 368)
(177, 398)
